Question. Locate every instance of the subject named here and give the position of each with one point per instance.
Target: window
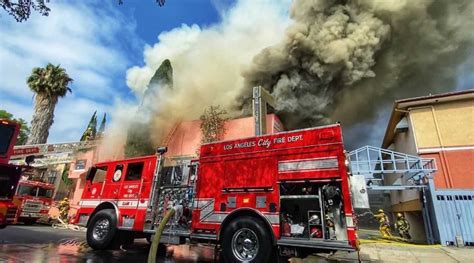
(134, 171)
(52, 176)
(80, 165)
(6, 134)
(27, 190)
(45, 192)
(99, 175)
(118, 173)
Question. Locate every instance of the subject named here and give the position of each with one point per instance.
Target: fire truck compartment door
(299, 168)
(249, 173)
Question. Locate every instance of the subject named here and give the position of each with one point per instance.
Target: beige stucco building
(435, 126)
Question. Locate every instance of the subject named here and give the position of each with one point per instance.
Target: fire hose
(156, 238)
(60, 224)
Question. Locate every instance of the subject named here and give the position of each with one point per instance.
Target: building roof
(400, 107)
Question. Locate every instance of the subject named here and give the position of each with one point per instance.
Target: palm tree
(48, 84)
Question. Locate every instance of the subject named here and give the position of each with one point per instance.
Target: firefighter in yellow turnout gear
(64, 209)
(384, 227)
(403, 226)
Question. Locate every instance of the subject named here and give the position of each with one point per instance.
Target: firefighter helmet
(314, 219)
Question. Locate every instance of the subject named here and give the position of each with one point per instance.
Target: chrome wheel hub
(245, 244)
(101, 229)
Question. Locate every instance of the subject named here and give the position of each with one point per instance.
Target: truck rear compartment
(311, 215)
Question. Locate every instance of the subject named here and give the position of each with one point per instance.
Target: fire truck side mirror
(162, 150)
(91, 173)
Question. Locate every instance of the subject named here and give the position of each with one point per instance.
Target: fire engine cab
(33, 199)
(287, 193)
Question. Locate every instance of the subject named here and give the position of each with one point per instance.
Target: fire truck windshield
(27, 190)
(45, 192)
(34, 191)
(6, 133)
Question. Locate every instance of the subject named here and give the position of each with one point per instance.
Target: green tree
(139, 140)
(49, 84)
(21, 9)
(24, 129)
(213, 124)
(100, 132)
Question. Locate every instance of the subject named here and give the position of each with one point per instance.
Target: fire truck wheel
(3, 226)
(102, 229)
(246, 239)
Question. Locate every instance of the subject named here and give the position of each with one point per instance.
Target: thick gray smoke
(342, 60)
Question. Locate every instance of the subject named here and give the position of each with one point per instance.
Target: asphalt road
(40, 243)
(37, 234)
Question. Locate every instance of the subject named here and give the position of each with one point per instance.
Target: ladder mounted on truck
(153, 206)
(20, 151)
(49, 154)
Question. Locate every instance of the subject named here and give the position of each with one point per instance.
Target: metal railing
(374, 163)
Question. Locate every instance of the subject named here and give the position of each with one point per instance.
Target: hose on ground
(156, 238)
(63, 225)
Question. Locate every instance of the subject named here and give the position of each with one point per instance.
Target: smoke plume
(342, 60)
(335, 60)
(207, 62)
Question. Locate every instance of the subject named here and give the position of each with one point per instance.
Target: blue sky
(96, 41)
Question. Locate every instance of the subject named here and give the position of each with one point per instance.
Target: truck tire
(246, 239)
(102, 229)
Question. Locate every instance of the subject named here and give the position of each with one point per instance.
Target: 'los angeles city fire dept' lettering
(264, 143)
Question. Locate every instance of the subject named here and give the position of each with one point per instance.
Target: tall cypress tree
(101, 130)
(91, 126)
(139, 141)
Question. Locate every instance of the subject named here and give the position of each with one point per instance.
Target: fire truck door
(112, 185)
(95, 182)
(131, 186)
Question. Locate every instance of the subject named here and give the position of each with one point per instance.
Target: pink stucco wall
(185, 137)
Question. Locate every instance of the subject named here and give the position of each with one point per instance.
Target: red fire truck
(33, 199)
(9, 174)
(286, 193)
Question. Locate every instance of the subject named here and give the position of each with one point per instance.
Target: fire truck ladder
(48, 154)
(380, 166)
(153, 205)
(52, 148)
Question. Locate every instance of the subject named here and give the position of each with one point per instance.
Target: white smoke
(207, 62)
(115, 135)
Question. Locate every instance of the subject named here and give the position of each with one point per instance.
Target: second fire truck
(34, 199)
(287, 193)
